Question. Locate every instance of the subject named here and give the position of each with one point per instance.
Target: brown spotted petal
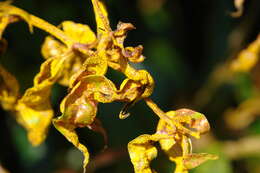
(80, 104)
(121, 32)
(83, 36)
(142, 152)
(93, 65)
(130, 90)
(195, 121)
(79, 109)
(101, 16)
(134, 54)
(52, 48)
(193, 160)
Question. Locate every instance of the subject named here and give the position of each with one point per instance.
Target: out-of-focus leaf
(247, 58)
(242, 116)
(244, 147)
(222, 164)
(3, 170)
(239, 4)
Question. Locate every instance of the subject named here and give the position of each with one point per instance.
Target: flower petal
(34, 110)
(101, 17)
(142, 152)
(79, 32)
(193, 160)
(9, 89)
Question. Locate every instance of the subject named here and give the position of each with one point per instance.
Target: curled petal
(79, 108)
(69, 132)
(134, 54)
(193, 120)
(3, 24)
(34, 110)
(122, 29)
(51, 47)
(143, 77)
(93, 65)
(9, 89)
(121, 32)
(72, 64)
(142, 152)
(82, 100)
(130, 90)
(186, 121)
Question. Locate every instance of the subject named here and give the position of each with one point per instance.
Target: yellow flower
(79, 59)
(174, 141)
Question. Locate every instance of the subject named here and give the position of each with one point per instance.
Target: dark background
(184, 41)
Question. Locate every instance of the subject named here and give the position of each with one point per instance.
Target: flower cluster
(78, 58)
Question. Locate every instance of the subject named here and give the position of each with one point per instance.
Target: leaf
(242, 116)
(247, 58)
